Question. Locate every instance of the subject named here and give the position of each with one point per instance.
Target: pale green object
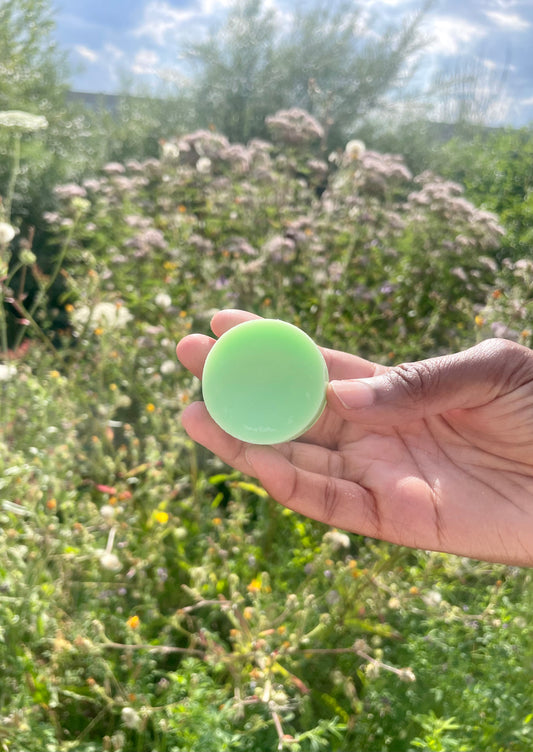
(264, 382)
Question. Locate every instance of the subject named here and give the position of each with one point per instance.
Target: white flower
(7, 233)
(169, 150)
(110, 561)
(203, 165)
(130, 718)
(354, 149)
(22, 121)
(337, 540)
(167, 367)
(7, 372)
(108, 315)
(163, 300)
(107, 511)
(407, 675)
(432, 598)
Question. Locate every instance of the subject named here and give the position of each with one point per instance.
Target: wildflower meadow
(152, 599)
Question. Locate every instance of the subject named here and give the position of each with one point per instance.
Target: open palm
(437, 455)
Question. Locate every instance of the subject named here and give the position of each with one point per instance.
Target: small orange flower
(99, 331)
(217, 521)
(479, 320)
(182, 209)
(51, 504)
(254, 586)
(150, 407)
(69, 308)
(497, 294)
(133, 622)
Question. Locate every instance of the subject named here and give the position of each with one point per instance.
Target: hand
(435, 455)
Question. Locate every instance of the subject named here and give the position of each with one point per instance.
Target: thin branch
(163, 649)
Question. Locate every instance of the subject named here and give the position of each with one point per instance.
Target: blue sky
(142, 39)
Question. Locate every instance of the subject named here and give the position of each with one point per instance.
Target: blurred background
(363, 170)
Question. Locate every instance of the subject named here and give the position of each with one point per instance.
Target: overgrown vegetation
(153, 599)
(150, 598)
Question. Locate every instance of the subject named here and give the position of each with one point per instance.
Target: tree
(320, 60)
(33, 78)
(33, 70)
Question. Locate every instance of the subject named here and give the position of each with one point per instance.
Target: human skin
(436, 455)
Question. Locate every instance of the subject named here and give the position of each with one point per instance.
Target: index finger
(194, 348)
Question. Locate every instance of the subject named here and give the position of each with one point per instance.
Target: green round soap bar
(264, 382)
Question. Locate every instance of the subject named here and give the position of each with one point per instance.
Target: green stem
(15, 170)
(46, 287)
(3, 323)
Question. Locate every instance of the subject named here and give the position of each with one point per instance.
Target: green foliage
(320, 61)
(150, 598)
(496, 168)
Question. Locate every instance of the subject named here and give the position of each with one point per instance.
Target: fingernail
(353, 394)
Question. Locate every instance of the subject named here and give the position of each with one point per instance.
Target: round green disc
(264, 382)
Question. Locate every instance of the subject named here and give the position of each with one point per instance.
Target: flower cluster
(294, 127)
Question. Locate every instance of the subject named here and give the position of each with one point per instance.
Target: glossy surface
(264, 382)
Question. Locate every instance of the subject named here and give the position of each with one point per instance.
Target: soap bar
(264, 381)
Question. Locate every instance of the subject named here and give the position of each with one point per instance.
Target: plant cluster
(152, 599)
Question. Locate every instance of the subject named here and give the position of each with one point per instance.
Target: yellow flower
(69, 308)
(479, 320)
(133, 622)
(150, 407)
(254, 586)
(161, 517)
(54, 374)
(99, 331)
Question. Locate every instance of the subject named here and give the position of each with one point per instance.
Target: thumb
(416, 390)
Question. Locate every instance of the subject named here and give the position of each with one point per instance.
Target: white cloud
(145, 62)
(87, 54)
(509, 21)
(527, 102)
(113, 52)
(450, 35)
(390, 3)
(161, 21)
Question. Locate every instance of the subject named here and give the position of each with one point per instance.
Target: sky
(109, 41)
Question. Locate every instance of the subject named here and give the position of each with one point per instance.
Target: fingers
(192, 350)
(202, 428)
(411, 391)
(228, 318)
(335, 501)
